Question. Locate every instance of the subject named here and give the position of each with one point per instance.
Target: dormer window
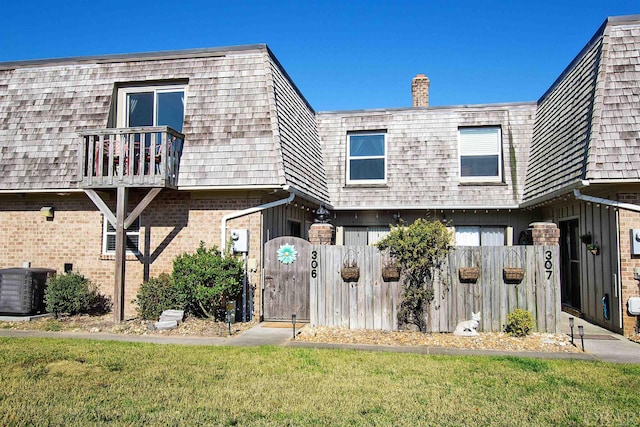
(366, 158)
(480, 151)
(152, 106)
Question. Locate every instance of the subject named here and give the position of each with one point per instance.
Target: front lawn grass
(78, 382)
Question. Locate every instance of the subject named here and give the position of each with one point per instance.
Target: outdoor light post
(293, 322)
(581, 332)
(571, 326)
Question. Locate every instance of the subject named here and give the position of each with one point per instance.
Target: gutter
(238, 214)
(606, 202)
(554, 194)
(426, 207)
(44, 190)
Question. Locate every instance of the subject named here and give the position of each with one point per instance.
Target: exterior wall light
(47, 212)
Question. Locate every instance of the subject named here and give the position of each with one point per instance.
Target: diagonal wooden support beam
(102, 206)
(120, 221)
(141, 206)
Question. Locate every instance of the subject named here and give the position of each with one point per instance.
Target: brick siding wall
(630, 286)
(173, 223)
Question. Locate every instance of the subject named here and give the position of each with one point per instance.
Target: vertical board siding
(372, 303)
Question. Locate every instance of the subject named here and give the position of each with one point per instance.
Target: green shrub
(156, 295)
(519, 323)
(72, 293)
(419, 249)
(205, 280)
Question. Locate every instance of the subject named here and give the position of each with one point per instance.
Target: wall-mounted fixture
(240, 240)
(586, 238)
(47, 212)
(635, 241)
(633, 306)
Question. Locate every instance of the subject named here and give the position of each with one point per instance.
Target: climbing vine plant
(420, 249)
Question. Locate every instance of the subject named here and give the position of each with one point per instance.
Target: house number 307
(314, 264)
(548, 264)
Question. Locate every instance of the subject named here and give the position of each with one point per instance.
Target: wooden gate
(286, 279)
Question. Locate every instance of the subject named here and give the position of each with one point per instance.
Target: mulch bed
(104, 324)
(538, 342)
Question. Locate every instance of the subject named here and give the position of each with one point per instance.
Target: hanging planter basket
(468, 274)
(350, 271)
(390, 273)
(350, 274)
(512, 275)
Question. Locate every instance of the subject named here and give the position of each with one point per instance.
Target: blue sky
(341, 54)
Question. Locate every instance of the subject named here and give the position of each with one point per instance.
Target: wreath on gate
(287, 254)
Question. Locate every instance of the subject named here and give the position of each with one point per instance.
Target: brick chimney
(420, 90)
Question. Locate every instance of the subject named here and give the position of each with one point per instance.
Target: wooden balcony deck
(130, 157)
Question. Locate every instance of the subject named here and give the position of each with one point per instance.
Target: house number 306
(548, 264)
(314, 264)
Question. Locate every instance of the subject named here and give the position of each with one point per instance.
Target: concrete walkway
(602, 343)
(599, 343)
(257, 335)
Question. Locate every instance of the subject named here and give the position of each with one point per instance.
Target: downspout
(606, 202)
(238, 214)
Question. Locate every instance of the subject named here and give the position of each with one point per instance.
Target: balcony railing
(133, 157)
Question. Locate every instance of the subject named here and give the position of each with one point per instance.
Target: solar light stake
(571, 326)
(293, 322)
(581, 332)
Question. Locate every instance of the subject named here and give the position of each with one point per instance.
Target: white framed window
(152, 106)
(474, 235)
(480, 151)
(367, 158)
(109, 237)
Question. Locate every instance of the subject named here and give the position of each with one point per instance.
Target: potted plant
(593, 248)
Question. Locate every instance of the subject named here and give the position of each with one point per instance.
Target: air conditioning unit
(22, 289)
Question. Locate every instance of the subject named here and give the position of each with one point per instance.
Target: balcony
(130, 157)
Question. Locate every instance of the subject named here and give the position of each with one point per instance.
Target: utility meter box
(240, 240)
(635, 241)
(633, 305)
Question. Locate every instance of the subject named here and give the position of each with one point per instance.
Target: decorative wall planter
(390, 273)
(513, 275)
(468, 274)
(350, 270)
(350, 274)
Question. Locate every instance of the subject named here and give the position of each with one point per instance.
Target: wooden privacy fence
(372, 303)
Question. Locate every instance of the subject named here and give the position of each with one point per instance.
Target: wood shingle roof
(240, 110)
